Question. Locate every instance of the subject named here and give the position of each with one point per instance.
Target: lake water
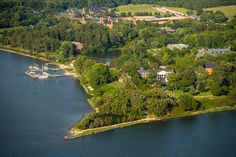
(35, 115)
(106, 57)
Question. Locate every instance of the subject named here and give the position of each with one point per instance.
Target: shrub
(216, 90)
(188, 103)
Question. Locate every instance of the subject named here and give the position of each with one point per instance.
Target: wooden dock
(31, 74)
(43, 72)
(62, 75)
(36, 76)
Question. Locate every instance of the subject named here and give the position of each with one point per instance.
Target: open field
(147, 8)
(136, 8)
(229, 11)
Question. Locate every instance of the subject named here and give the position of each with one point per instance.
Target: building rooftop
(167, 29)
(217, 51)
(209, 65)
(79, 46)
(142, 70)
(177, 46)
(166, 70)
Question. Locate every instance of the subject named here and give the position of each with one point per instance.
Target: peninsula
(174, 61)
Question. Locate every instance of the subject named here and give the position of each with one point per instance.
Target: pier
(38, 76)
(43, 73)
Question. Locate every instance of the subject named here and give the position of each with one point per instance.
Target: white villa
(163, 73)
(177, 46)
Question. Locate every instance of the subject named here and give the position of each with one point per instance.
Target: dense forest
(30, 12)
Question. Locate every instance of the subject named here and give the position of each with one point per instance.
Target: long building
(109, 22)
(153, 19)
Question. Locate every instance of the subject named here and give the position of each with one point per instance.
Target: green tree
(216, 89)
(99, 75)
(190, 12)
(187, 102)
(232, 93)
(83, 64)
(233, 45)
(66, 50)
(201, 87)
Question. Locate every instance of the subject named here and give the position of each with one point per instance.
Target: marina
(45, 71)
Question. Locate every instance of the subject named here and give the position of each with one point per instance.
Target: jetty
(44, 72)
(46, 67)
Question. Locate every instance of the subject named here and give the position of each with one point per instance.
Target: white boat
(43, 76)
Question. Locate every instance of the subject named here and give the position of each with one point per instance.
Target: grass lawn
(208, 101)
(217, 102)
(146, 8)
(229, 11)
(176, 93)
(111, 87)
(136, 8)
(204, 94)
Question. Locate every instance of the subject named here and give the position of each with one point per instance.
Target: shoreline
(69, 71)
(75, 133)
(25, 53)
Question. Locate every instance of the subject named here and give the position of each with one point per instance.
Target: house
(209, 67)
(177, 46)
(124, 78)
(217, 51)
(83, 20)
(204, 51)
(108, 22)
(162, 74)
(167, 29)
(79, 46)
(144, 73)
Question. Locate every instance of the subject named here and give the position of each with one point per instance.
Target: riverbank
(73, 133)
